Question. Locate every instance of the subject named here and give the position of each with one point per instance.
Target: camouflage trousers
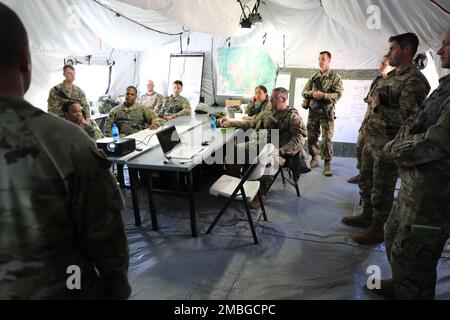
(414, 256)
(377, 179)
(317, 121)
(360, 142)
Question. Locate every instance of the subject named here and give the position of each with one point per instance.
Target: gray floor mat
(304, 252)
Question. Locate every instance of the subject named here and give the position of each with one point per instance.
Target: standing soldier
(65, 92)
(384, 69)
(131, 117)
(62, 235)
(419, 225)
(152, 100)
(395, 100)
(321, 94)
(175, 106)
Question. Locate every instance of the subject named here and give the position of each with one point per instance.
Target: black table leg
(151, 202)
(191, 204)
(134, 196)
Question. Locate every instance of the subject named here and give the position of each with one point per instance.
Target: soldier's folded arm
(432, 145)
(186, 110)
(101, 231)
(336, 94)
(307, 90)
(414, 92)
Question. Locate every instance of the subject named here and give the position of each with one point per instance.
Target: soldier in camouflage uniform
(384, 69)
(419, 225)
(175, 106)
(292, 130)
(397, 98)
(152, 99)
(131, 117)
(259, 103)
(65, 92)
(59, 204)
(72, 112)
(321, 103)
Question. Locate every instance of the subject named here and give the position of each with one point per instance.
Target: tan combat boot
(314, 162)
(386, 290)
(373, 235)
(354, 180)
(327, 169)
(364, 220)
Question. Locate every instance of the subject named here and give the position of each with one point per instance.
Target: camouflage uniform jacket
(131, 119)
(153, 101)
(59, 207)
(175, 107)
(254, 108)
(332, 86)
(368, 99)
(422, 150)
(406, 91)
(425, 137)
(292, 129)
(61, 94)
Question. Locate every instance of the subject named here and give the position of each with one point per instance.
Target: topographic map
(241, 69)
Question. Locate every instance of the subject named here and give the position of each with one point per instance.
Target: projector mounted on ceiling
(253, 17)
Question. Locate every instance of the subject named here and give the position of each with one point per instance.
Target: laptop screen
(168, 139)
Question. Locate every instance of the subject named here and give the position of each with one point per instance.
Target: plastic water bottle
(213, 122)
(115, 133)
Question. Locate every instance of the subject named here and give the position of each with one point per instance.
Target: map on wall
(241, 69)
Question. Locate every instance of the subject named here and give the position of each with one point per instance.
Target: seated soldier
(151, 99)
(259, 103)
(292, 131)
(175, 106)
(72, 111)
(131, 117)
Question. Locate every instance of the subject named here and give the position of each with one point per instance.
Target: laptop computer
(171, 145)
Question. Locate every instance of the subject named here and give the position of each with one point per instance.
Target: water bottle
(115, 133)
(213, 122)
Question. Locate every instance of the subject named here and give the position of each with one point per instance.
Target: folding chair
(246, 188)
(290, 179)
